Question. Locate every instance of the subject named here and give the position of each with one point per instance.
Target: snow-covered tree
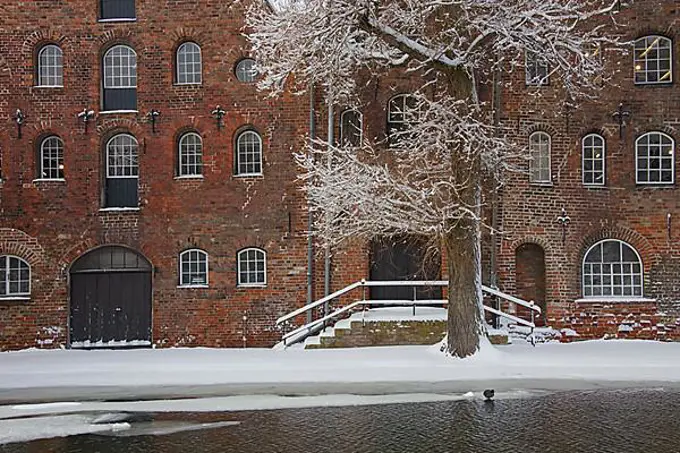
(427, 178)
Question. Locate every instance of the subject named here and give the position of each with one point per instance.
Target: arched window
(612, 268)
(248, 153)
(245, 70)
(120, 78)
(539, 153)
(122, 172)
(190, 154)
(252, 267)
(189, 65)
(537, 71)
(351, 127)
(655, 159)
(51, 158)
(593, 160)
(15, 277)
(653, 60)
(401, 112)
(193, 268)
(50, 66)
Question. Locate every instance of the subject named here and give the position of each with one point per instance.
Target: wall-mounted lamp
(86, 116)
(153, 116)
(218, 113)
(621, 115)
(564, 221)
(20, 118)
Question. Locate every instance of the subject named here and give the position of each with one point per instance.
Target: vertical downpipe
(494, 193)
(327, 252)
(310, 216)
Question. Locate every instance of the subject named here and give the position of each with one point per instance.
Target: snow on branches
(420, 184)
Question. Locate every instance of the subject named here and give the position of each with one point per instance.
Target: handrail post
(533, 324)
(415, 298)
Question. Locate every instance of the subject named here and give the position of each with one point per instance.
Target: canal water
(621, 421)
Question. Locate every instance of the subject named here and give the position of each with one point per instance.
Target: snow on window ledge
(118, 19)
(192, 286)
(615, 299)
(249, 175)
(129, 209)
(251, 285)
(109, 344)
(188, 177)
(48, 86)
(39, 180)
(17, 298)
(117, 112)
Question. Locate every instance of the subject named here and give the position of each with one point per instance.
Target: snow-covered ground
(58, 393)
(65, 375)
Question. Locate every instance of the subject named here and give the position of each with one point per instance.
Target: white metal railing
(314, 326)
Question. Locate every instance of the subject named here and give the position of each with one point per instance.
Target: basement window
(112, 10)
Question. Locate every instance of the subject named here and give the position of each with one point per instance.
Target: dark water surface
(622, 421)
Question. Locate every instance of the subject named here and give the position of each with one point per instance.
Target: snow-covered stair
(388, 327)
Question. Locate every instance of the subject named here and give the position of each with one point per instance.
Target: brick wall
(219, 213)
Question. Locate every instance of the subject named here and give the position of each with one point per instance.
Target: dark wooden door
(404, 259)
(110, 300)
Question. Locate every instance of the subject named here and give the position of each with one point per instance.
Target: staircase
(339, 321)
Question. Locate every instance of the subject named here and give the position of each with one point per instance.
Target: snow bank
(63, 375)
(25, 429)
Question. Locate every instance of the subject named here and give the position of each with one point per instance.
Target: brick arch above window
(645, 249)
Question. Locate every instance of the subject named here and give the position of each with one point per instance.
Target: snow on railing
(309, 328)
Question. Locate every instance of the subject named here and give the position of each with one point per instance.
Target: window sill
(193, 286)
(658, 185)
(253, 285)
(595, 186)
(57, 180)
(11, 299)
(117, 19)
(541, 184)
(654, 84)
(616, 300)
(189, 178)
(117, 112)
(49, 86)
(249, 175)
(197, 84)
(130, 209)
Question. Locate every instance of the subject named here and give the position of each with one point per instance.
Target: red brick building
(202, 224)
(139, 163)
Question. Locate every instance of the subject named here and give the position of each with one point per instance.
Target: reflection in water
(577, 422)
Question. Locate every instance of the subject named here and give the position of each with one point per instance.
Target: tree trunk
(463, 248)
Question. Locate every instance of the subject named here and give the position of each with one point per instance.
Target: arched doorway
(110, 299)
(530, 278)
(403, 258)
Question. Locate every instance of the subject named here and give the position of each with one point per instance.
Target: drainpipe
(494, 191)
(327, 253)
(310, 216)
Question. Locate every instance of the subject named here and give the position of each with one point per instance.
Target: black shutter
(121, 193)
(118, 9)
(120, 99)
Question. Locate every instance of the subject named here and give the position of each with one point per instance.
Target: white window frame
(532, 160)
(122, 81)
(342, 125)
(603, 149)
(537, 61)
(239, 262)
(189, 77)
(109, 167)
(196, 153)
(237, 152)
(55, 70)
(245, 75)
(641, 63)
(201, 253)
(59, 158)
(655, 183)
(5, 281)
(632, 275)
